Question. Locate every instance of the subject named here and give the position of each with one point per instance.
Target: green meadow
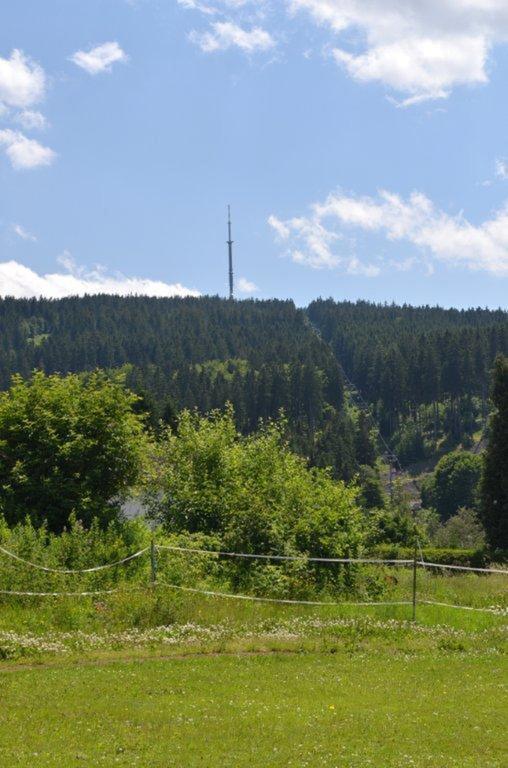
(346, 706)
(151, 678)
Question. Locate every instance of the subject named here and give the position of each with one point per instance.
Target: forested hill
(107, 331)
(262, 356)
(425, 370)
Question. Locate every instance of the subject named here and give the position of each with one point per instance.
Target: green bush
(68, 445)
(253, 495)
(251, 492)
(75, 548)
(461, 530)
(454, 484)
(475, 558)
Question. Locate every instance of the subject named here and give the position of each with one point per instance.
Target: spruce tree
(494, 488)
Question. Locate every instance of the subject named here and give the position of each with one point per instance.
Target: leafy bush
(476, 558)
(252, 492)
(371, 490)
(461, 530)
(68, 445)
(410, 445)
(255, 496)
(396, 523)
(75, 548)
(454, 484)
(494, 486)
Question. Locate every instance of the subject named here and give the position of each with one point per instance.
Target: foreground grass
(151, 678)
(349, 709)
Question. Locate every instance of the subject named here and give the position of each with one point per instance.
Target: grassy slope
(347, 709)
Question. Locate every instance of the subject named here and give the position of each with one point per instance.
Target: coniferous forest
(423, 371)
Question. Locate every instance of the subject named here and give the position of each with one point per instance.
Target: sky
(362, 145)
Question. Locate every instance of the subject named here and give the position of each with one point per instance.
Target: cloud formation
(23, 233)
(420, 49)
(235, 25)
(246, 286)
(25, 153)
(99, 59)
(22, 81)
(31, 120)
(435, 234)
(21, 282)
(502, 168)
(225, 34)
(22, 85)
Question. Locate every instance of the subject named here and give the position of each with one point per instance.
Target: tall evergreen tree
(494, 488)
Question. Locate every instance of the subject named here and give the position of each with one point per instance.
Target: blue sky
(363, 148)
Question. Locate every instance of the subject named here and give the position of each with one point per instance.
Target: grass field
(343, 709)
(154, 677)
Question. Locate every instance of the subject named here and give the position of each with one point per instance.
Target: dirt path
(142, 659)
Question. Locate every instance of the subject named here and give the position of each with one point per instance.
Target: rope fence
(73, 570)
(59, 594)
(278, 600)
(297, 558)
(415, 563)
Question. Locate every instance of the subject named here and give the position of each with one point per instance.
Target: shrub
(461, 530)
(454, 484)
(68, 445)
(252, 492)
(75, 548)
(476, 558)
(494, 487)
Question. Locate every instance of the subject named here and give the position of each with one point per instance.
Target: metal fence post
(415, 565)
(153, 562)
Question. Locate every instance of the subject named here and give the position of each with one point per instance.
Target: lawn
(154, 677)
(350, 709)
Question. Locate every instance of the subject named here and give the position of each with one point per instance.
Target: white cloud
(25, 153)
(219, 6)
(21, 282)
(246, 286)
(502, 168)
(280, 228)
(193, 5)
(31, 120)
(99, 59)
(23, 233)
(356, 267)
(420, 48)
(422, 67)
(226, 34)
(436, 234)
(313, 243)
(22, 81)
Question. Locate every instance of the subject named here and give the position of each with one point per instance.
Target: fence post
(415, 565)
(153, 562)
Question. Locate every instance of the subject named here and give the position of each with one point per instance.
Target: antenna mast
(230, 253)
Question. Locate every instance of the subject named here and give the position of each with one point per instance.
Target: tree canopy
(69, 445)
(494, 489)
(454, 484)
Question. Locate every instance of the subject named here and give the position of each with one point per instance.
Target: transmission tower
(230, 254)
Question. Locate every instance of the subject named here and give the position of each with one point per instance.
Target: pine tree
(494, 488)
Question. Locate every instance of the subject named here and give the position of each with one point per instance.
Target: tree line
(73, 447)
(424, 370)
(262, 357)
